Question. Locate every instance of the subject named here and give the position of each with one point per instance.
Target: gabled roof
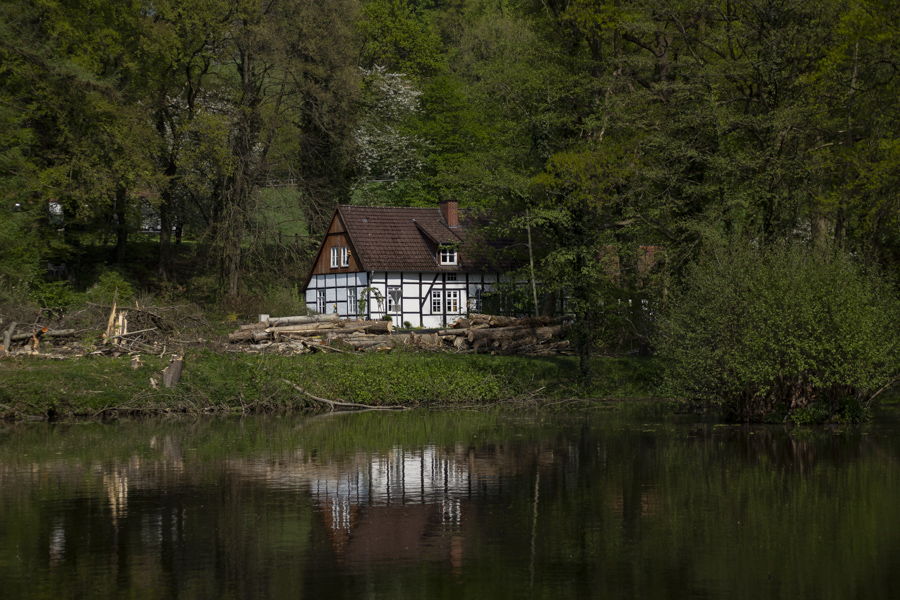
(388, 238)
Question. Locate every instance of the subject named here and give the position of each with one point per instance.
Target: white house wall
(417, 293)
(335, 287)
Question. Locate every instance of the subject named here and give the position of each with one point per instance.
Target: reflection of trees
(588, 502)
(115, 480)
(788, 450)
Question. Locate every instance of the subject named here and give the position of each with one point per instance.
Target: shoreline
(102, 387)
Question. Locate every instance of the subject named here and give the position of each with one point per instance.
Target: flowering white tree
(388, 151)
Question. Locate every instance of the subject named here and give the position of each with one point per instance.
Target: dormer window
(448, 255)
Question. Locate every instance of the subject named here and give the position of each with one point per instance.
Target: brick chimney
(450, 210)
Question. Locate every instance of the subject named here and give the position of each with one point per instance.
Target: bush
(54, 294)
(111, 285)
(770, 333)
(20, 251)
(285, 301)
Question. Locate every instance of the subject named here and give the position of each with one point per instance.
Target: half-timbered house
(413, 264)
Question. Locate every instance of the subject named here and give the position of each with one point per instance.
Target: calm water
(604, 504)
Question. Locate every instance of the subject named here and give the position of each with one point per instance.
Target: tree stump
(172, 373)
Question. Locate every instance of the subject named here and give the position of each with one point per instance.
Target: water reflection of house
(413, 504)
(400, 505)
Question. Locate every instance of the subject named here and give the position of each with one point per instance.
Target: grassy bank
(221, 382)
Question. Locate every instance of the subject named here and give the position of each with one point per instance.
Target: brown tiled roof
(388, 238)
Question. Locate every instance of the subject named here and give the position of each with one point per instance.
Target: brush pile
(95, 329)
(474, 334)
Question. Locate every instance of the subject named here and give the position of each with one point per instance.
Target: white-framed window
(320, 301)
(345, 256)
(451, 276)
(394, 299)
(352, 304)
(448, 255)
(436, 302)
(452, 301)
(335, 253)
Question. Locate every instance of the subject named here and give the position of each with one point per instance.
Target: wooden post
(537, 311)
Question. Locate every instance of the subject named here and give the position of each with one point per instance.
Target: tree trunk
(19, 337)
(7, 337)
(121, 219)
(311, 328)
(283, 321)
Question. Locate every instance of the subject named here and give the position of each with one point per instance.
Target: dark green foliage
(19, 253)
(773, 332)
(111, 286)
(54, 294)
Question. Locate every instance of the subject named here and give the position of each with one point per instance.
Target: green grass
(224, 382)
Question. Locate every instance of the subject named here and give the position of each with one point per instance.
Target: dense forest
(637, 127)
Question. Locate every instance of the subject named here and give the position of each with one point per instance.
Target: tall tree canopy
(597, 128)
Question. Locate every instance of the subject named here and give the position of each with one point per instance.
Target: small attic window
(448, 255)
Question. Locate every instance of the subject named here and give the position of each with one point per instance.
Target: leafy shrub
(20, 252)
(13, 291)
(54, 294)
(284, 301)
(770, 333)
(111, 284)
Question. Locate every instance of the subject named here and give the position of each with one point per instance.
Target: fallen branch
(883, 388)
(326, 349)
(121, 335)
(334, 403)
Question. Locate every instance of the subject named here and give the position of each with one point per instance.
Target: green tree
(291, 91)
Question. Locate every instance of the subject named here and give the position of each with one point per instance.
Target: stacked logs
(506, 335)
(476, 334)
(316, 330)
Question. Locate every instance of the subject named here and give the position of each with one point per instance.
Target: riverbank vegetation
(191, 153)
(781, 333)
(218, 382)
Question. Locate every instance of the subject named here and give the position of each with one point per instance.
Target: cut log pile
(506, 335)
(315, 332)
(476, 333)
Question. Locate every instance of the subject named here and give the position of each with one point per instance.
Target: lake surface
(601, 503)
